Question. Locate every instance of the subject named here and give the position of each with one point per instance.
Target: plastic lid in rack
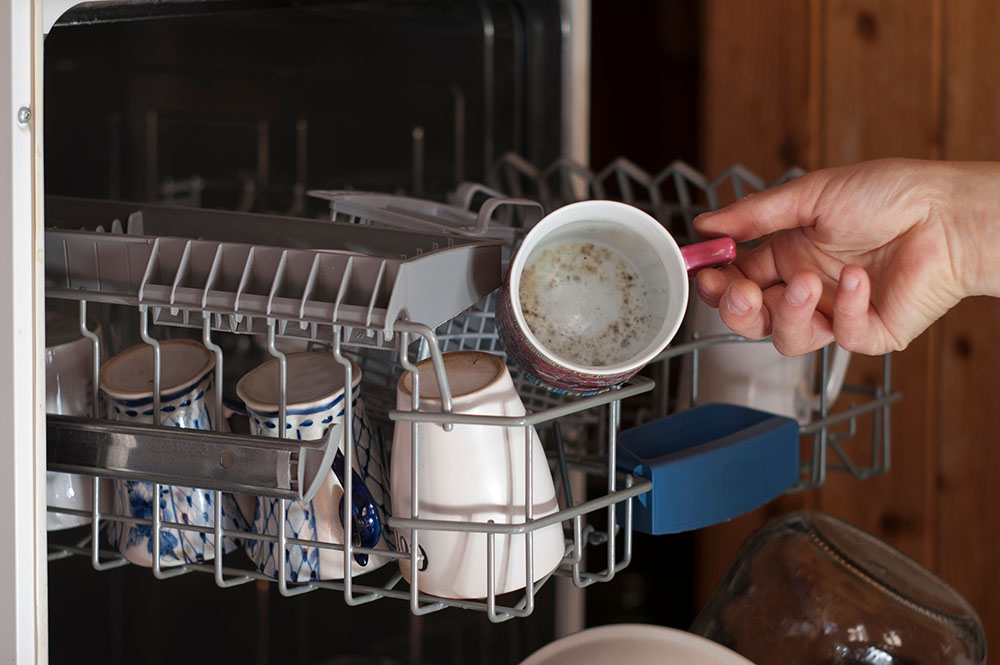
(129, 375)
(634, 644)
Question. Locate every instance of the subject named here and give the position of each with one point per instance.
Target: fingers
(756, 265)
(797, 326)
(739, 300)
(784, 207)
(742, 308)
(712, 284)
(790, 313)
(854, 325)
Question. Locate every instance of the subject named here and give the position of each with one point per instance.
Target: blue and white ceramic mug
(187, 400)
(314, 403)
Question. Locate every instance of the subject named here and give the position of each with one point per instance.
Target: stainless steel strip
(196, 458)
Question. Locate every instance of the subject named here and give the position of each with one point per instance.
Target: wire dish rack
(359, 290)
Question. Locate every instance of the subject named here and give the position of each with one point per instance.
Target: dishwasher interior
(208, 166)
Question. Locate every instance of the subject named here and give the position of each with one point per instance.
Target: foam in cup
(587, 304)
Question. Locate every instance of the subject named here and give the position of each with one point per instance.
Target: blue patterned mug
(314, 403)
(187, 400)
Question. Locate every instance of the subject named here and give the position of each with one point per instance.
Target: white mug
(315, 402)
(187, 400)
(755, 374)
(474, 473)
(69, 382)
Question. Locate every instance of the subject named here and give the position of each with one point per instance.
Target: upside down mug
(474, 473)
(595, 292)
(755, 374)
(316, 395)
(69, 382)
(187, 400)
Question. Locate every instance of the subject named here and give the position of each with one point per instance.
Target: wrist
(974, 230)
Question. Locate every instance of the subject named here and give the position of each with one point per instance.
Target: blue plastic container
(708, 464)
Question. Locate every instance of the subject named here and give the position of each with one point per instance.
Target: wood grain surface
(878, 78)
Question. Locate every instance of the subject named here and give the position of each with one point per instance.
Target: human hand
(867, 255)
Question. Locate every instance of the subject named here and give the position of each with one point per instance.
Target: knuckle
(787, 346)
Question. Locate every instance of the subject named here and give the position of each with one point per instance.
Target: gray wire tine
(95, 533)
(886, 381)
(627, 554)
(95, 509)
(579, 577)
(95, 389)
(283, 587)
(206, 338)
(404, 359)
(415, 557)
(614, 419)
(819, 467)
(347, 518)
(144, 333)
(433, 347)
(158, 573)
(529, 536)
(491, 591)
(282, 378)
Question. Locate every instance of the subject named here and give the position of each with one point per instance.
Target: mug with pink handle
(595, 292)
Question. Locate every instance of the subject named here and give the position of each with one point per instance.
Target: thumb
(786, 206)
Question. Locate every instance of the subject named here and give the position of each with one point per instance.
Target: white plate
(634, 644)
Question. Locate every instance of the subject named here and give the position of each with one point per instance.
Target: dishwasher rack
(675, 195)
(217, 286)
(361, 298)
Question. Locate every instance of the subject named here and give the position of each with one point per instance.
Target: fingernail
(738, 303)
(705, 215)
(796, 293)
(850, 281)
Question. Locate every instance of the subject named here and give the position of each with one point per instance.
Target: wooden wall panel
(756, 86)
(968, 495)
(881, 79)
(881, 98)
(758, 103)
(867, 85)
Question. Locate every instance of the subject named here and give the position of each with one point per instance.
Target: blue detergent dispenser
(708, 464)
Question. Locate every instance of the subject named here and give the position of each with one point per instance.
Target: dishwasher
(345, 178)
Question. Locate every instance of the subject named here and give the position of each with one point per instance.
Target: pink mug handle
(717, 252)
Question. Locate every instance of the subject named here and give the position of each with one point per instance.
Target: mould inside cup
(594, 294)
